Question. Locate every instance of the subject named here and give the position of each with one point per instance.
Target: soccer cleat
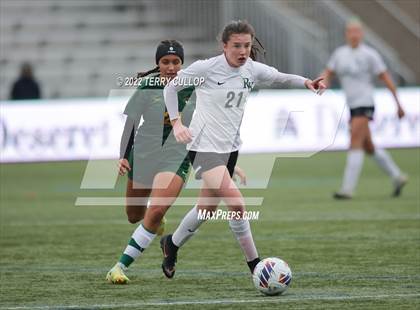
(169, 251)
(399, 184)
(341, 196)
(116, 275)
(161, 228)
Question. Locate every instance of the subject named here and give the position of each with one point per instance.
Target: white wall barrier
(298, 121)
(274, 121)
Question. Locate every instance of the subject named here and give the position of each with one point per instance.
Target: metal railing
(293, 43)
(405, 20)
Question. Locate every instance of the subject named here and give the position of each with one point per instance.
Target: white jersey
(356, 69)
(221, 99)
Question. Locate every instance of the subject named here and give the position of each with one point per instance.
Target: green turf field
(360, 254)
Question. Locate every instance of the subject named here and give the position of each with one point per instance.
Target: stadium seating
(78, 48)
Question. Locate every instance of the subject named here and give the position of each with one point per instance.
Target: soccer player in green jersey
(156, 165)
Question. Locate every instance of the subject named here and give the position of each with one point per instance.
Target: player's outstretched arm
(386, 78)
(266, 75)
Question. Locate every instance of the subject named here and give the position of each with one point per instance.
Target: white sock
(384, 160)
(187, 227)
(352, 171)
(242, 231)
(139, 241)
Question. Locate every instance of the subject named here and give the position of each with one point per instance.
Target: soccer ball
(272, 276)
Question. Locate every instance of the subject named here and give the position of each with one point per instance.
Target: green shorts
(145, 167)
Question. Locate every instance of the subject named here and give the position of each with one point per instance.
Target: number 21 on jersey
(234, 99)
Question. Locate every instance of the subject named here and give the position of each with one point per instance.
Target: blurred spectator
(25, 87)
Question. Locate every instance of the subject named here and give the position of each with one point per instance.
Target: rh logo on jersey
(247, 83)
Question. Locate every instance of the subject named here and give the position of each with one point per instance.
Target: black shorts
(363, 111)
(204, 161)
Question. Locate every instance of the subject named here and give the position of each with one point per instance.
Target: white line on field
(261, 300)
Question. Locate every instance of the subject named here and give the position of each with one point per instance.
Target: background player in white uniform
(213, 136)
(357, 65)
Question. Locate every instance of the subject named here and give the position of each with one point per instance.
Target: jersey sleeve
(127, 138)
(197, 69)
(377, 63)
(266, 75)
(332, 62)
(137, 103)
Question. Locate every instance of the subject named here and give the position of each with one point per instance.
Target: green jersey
(148, 102)
(155, 146)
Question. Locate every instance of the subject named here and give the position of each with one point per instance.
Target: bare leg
(160, 200)
(166, 188)
(136, 201)
(218, 184)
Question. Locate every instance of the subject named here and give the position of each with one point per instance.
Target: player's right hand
(317, 86)
(241, 174)
(182, 134)
(400, 112)
(123, 166)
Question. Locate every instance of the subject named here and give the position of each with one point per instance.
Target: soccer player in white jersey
(213, 137)
(357, 65)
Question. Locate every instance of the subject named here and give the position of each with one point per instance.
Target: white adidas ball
(272, 276)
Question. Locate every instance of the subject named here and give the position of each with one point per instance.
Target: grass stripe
(261, 300)
(208, 273)
(283, 220)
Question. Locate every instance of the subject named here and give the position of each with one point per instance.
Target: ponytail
(143, 74)
(257, 51)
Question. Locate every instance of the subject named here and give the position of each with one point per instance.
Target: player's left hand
(317, 86)
(400, 112)
(241, 174)
(123, 166)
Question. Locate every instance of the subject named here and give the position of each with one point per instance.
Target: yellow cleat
(116, 275)
(161, 228)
